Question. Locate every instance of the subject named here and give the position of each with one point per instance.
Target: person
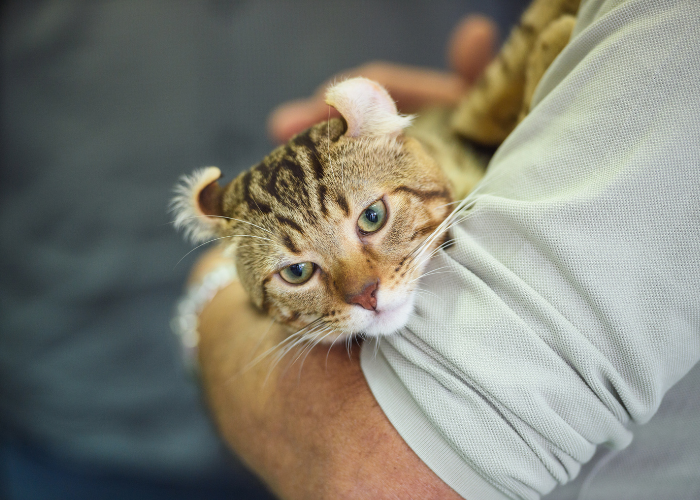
(105, 106)
(569, 322)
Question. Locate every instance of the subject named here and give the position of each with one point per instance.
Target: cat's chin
(388, 321)
(385, 321)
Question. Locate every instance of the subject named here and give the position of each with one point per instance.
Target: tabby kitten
(332, 230)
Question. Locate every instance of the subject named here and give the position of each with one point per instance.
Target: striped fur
(302, 203)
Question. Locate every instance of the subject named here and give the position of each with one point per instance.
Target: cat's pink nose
(367, 298)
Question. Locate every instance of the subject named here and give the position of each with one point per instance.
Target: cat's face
(333, 230)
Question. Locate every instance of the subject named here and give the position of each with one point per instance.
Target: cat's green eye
(373, 218)
(296, 274)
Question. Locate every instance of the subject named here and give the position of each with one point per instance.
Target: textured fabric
(570, 303)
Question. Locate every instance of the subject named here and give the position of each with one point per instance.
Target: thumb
(472, 46)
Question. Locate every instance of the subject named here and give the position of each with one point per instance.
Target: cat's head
(333, 227)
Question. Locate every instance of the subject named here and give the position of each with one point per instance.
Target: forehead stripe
(259, 206)
(322, 198)
(422, 194)
(343, 204)
(265, 306)
(291, 164)
(304, 140)
(290, 244)
(271, 186)
(245, 186)
(424, 231)
(290, 223)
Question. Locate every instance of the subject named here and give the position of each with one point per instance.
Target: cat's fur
(304, 201)
(302, 204)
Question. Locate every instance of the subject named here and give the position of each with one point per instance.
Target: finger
(412, 88)
(415, 88)
(472, 46)
(293, 117)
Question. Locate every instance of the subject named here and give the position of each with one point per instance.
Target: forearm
(311, 430)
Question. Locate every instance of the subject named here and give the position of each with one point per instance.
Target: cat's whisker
(254, 245)
(260, 210)
(254, 362)
(262, 337)
(257, 244)
(420, 259)
(376, 347)
(224, 217)
(425, 244)
(222, 238)
(441, 229)
(419, 262)
(309, 333)
(251, 236)
(446, 244)
(449, 204)
(429, 273)
(331, 347)
(272, 242)
(283, 352)
(443, 246)
(423, 290)
(315, 343)
(415, 263)
(443, 226)
(276, 347)
(310, 340)
(432, 271)
(435, 271)
(281, 345)
(459, 221)
(198, 246)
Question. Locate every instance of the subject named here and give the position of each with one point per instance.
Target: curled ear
(367, 108)
(198, 204)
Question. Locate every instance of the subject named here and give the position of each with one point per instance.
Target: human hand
(470, 49)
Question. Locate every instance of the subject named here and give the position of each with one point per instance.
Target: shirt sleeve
(570, 301)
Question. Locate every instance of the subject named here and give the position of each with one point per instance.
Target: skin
(316, 431)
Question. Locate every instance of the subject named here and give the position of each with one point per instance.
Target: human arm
(285, 422)
(570, 302)
(311, 431)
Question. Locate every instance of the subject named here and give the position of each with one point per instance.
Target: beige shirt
(568, 310)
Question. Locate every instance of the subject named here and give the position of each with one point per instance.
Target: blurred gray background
(104, 105)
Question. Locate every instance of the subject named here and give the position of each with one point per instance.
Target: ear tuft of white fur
(367, 108)
(189, 217)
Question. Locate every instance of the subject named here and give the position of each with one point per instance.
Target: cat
(332, 231)
(335, 227)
